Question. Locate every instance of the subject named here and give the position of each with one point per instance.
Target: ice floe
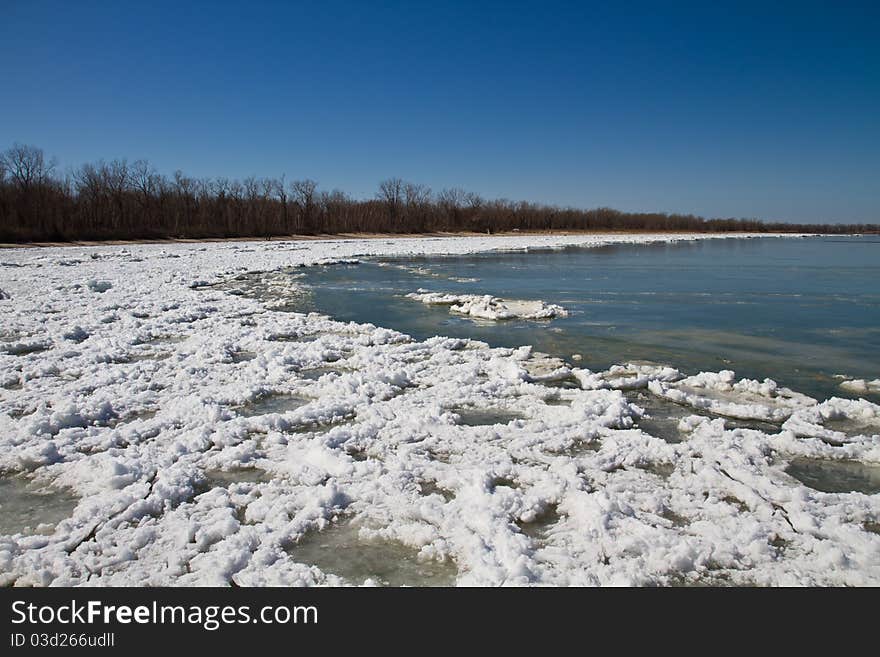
(628, 376)
(837, 421)
(721, 393)
(488, 307)
(861, 386)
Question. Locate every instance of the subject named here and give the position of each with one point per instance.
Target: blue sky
(738, 110)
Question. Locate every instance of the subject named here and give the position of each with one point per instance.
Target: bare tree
(416, 195)
(116, 179)
(304, 196)
(391, 191)
(452, 201)
(26, 165)
(337, 210)
(454, 197)
(105, 200)
(279, 190)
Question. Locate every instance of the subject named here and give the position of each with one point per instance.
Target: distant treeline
(122, 200)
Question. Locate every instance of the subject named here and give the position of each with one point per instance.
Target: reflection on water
(836, 476)
(27, 508)
(339, 550)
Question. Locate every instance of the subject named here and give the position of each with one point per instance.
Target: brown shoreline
(365, 236)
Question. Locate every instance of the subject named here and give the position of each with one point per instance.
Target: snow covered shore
(183, 435)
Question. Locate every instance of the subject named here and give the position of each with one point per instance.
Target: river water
(800, 311)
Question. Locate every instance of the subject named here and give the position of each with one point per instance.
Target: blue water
(797, 310)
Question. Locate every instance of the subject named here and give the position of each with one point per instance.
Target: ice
(478, 417)
(273, 403)
(279, 290)
(836, 476)
(660, 418)
(315, 373)
(861, 386)
(23, 347)
(341, 550)
(544, 368)
(129, 404)
(232, 476)
(721, 393)
(99, 286)
(628, 376)
(75, 334)
(488, 307)
(538, 527)
(26, 507)
(837, 421)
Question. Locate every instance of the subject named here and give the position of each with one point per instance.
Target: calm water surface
(796, 310)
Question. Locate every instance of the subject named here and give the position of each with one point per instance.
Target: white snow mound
(721, 393)
(488, 307)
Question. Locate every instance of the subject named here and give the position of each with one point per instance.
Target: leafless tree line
(131, 200)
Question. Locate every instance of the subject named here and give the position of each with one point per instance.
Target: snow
(838, 421)
(721, 393)
(130, 409)
(99, 286)
(861, 386)
(628, 376)
(488, 307)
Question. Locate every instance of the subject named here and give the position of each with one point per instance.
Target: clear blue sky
(738, 110)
